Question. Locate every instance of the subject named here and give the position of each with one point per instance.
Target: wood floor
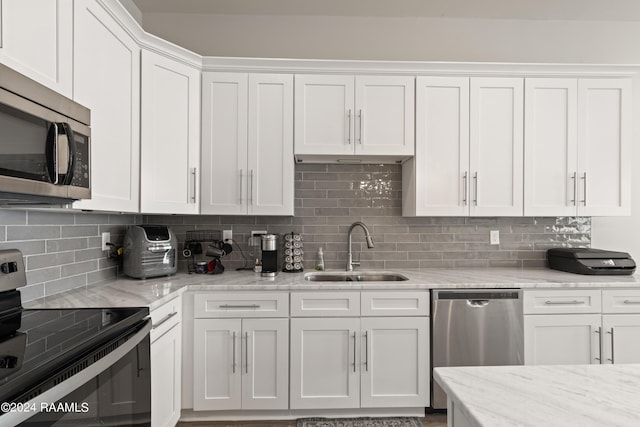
(431, 420)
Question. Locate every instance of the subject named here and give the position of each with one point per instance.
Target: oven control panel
(12, 274)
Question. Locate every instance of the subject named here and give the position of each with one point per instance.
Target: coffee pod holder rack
(293, 253)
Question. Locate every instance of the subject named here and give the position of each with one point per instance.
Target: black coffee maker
(270, 259)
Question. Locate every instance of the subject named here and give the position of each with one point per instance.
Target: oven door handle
(76, 381)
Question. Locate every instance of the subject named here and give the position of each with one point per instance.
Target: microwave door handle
(51, 153)
(71, 153)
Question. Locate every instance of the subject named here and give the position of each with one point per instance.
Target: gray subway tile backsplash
(62, 249)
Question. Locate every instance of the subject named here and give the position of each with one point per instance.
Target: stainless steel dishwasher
(479, 327)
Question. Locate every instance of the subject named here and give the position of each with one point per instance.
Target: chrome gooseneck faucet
(367, 235)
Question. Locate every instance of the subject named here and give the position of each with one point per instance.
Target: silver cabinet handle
(599, 332)
(194, 173)
(366, 351)
(349, 128)
(354, 352)
(575, 188)
(163, 320)
(239, 306)
(574, 302)
(465, 178)
(612, 360)
(234, 352)
(360, 138)
(584, 188)
(240, 193)
(246, 351)
(251, 187)
(475, 180)
(629, 302)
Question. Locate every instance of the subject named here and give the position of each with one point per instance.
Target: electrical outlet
(494, 237)
(254, 240)
(227, 235)
(106, 238)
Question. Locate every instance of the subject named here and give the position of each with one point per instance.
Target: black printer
(590, 261)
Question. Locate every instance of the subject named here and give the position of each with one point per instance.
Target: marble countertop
(156, 291)
(533, 396)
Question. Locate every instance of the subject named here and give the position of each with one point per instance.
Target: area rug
(360, 422)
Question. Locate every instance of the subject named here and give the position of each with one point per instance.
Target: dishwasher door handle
(477, 302)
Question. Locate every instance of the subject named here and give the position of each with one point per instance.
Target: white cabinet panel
(395, 356)
(36, 39)
(321, 378)
(620, 338)
(166, 378)
(551, 140)
(496, 146)
(247, 144)
(106, 79)
(570, 339)
(170, 136)
(604, 134)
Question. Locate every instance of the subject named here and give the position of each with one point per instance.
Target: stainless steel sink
(354, 277)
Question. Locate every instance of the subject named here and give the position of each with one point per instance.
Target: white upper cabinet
(577, 146)
(469, 148)
(340, 116)
(247, 144)
(551, 145)
(496, 146)
(604, 147)
(106, 71)
(36, 39)
(170, 156)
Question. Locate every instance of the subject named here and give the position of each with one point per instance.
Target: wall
(62, 250)
(329, 198)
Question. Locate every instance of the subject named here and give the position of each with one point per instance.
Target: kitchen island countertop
(154, 292)
(551, 396)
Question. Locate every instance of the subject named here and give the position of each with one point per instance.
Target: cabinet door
(384, 115)
(620, 338)
(36, 38)
(270, 145)
(439, 173)
(170, 139)
(325, 371)
(551, 147)
(166, 378)
(395, 355)
(604, 151)
(224, 143)
(570, 339)
(106, 79)
(496, 146)
(265, 364)
(216, 364)
(324, 114)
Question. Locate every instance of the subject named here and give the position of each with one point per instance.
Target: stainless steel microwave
(45, 144)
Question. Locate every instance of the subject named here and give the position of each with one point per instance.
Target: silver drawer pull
(574, 302)
(239, 306)
(163, 320)
(628, 301)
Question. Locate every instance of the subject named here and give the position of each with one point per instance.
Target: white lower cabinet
(166, 364)
(354, 362)
(241, 351)
(565, 334)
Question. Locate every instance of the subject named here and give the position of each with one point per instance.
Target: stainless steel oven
(45, 140)
(60, 367)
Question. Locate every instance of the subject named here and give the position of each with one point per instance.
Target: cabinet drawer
(551, 301)
(165, 317)
(621, 301)
(321, 304)
(250, 304)
(394, 304)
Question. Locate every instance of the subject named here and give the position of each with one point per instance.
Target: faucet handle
(355, 262)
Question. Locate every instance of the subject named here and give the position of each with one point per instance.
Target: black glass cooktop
(35, 344)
